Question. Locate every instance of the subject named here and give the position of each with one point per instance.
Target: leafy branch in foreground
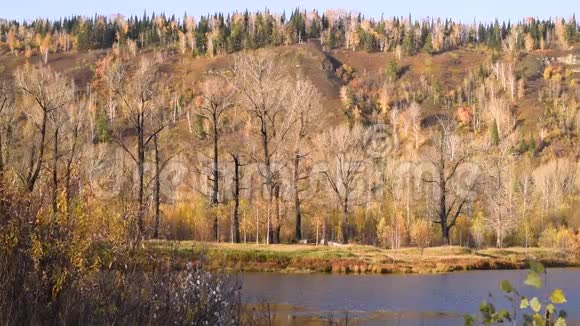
(535, 311)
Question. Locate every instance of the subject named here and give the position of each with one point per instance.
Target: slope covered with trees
(226, 33)
(269, 128)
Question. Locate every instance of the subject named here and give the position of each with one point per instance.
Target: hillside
(308, 60)
(146, 159)
(410, 94)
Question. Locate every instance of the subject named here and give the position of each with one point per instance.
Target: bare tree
(307, 110)
(7, 117)
(554, 181)
(235, 144)
(264, 92)
(215, 100)
(236, 189)
(344, 151)
(134, 93)
(58, 118)
(162, 116)
(498, 187)
(447, 156)
(49, 92)
(73, 139)
(525, 186)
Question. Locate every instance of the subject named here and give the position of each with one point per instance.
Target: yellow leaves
(59, 282)
(559, 238)
(548, 72)
(37, 250)
(422, 233)
(557, 73)
(557, 77)
(535, 304)
(558, 297)
(9, 237)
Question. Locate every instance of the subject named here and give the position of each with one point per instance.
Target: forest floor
(293, 258)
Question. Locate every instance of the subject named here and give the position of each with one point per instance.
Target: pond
(441, 299)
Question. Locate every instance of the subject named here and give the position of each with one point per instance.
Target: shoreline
(355, 259)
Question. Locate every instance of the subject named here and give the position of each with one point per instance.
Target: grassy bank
(356, 258)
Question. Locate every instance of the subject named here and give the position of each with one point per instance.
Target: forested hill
(251, 112)
(226, 33)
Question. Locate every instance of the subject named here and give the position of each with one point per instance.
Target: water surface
(440, 299)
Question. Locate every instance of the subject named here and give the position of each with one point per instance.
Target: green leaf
(539, 320)
(468, 320)
(506, 286)
(535, 304)
(537, 267)
(534, 280)
(551, 308)
(487, 311)
(524, 304)
(504, 314)
(486, 307)
(560, 322)
(558, 297)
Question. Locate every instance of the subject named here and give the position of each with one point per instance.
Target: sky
(464, 10)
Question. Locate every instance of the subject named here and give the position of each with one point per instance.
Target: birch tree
(47, 92)
(215, 100)
(307, 110)
(446, 157)
(499, 217)
(345, 156)
(263, 92)
(134, 90)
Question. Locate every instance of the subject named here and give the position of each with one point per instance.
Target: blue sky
(464, 10)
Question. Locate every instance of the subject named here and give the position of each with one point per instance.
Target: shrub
(562, 238)
(422, 233)
(478, 229)
(548, 238)
(57, 271)
(392, 232)
(566, 239)
(548, 72)
(393, 70)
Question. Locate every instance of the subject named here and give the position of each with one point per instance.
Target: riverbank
(286, 258)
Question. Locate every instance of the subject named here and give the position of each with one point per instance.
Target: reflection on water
(443, 299)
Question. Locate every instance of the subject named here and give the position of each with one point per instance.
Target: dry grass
(357, 258)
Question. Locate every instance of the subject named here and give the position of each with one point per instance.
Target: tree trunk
(499, 237)
(157, 188)
(345, 226)
(445, 233)
(268, 177)
(236, 220)
(323, 238)
(278, 221)
(442, 194)
(215, 179)
(297, 211)
(1, 159)
(141, 175)
(69, 172)
(55, 176)
(257, 224)
(34, 169)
